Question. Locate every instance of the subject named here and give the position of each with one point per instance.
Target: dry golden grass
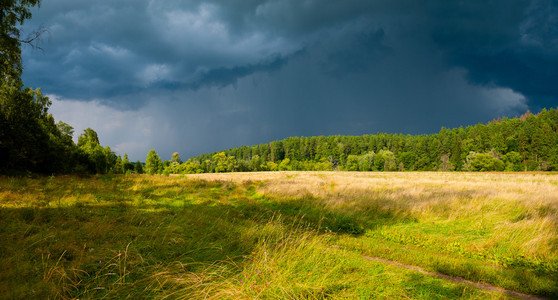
(521, 208)
(418, 191)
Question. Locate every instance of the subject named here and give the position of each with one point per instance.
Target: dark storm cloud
(246, 71)
(512, 44)
(221, 77)
(110, 49)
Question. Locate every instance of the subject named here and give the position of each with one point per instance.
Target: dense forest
(525, 143)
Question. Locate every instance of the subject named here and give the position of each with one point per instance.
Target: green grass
(183, 238)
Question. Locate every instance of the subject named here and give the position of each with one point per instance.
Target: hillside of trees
(526, 143)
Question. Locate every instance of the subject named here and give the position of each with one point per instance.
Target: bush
(483, 162)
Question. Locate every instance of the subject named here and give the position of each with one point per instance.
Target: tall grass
(298, 235)
(493, 227)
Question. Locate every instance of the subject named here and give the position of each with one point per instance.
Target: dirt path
(483, 286)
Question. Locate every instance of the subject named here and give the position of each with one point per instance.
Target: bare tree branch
(34, 38)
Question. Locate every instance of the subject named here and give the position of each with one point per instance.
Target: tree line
(525, 143)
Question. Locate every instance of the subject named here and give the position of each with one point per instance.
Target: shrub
(483, 162)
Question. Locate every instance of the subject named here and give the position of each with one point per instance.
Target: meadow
(280, 235)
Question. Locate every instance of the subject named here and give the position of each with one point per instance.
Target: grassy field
(293, 235)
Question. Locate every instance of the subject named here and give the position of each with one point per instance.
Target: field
(280, 235)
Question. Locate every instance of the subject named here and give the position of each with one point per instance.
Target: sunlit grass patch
(302, 265)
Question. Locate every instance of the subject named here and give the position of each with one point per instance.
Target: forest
(525, 143)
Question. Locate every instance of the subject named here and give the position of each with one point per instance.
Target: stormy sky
(202, 76)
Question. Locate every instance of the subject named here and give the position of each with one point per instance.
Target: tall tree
(88, 139)
(126, 164)
(176, 158)
(153, 163)
(138, 167)
(100, 160)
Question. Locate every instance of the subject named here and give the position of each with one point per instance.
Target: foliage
(176, 158)
(94, 158)
(153, 163)
(13, 14)
(483, 162)
(366, 161)
(127, 166)
(138, 167)
(29, 138)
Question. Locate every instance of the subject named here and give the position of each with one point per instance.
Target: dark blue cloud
(365, 48)
(221, 77)
(264, 69)
(506, 44)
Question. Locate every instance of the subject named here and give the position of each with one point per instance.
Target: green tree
(176, 158)
(127, 166)
(483, 162)
(512, 161)
(117, 169)
(224, 163)
(232, 164)
(29, 138)
(277, 151)
(100, 159)
(255, 163)
(366, 161)
(27, 129)
(66, 131)
(12, 14)
(285, 165)
(408, 159)
(88, 139)
(220, 161)
(153, 163)
(389, 160)
(138, 167)
(383, 158)
(111, 160)
(271, 166)
(352, 163)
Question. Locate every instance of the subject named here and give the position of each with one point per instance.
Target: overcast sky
(203, 76)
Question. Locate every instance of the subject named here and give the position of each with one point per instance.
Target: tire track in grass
(482, 286)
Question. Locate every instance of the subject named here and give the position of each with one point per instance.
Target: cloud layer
(207, 75)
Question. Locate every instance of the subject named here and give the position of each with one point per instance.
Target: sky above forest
(202, 76)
